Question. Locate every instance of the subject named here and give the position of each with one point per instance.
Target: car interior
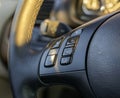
(59, 48)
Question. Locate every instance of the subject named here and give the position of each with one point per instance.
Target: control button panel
(50, 60)
(68, 51)
(52, 54)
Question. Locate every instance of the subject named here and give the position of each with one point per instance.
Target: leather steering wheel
(88, 58)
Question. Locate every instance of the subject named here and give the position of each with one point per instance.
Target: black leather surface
(103, 62)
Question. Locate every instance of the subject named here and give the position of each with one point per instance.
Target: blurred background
(63, 15)
(76, 12)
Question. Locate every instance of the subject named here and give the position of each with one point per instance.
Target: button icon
(65, 60)
(76, 33)
(50, 61)
(57, 44)
(67, 51)
(53, 51)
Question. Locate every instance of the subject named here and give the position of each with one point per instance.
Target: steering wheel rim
(21, 34)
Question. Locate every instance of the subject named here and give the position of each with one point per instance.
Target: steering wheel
(88, 58)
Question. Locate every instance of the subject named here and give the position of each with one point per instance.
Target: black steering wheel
(88, 58)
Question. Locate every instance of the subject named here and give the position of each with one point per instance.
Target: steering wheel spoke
(64, 59)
